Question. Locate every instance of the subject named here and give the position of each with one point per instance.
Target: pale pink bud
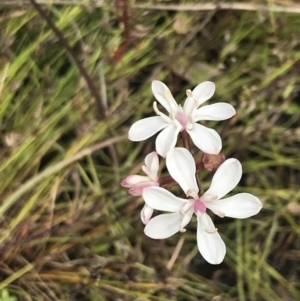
(138, 189)
(134, 180)
(212, 162)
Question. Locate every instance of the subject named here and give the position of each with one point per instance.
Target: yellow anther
(189, 93)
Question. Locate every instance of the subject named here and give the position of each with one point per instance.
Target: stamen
(172, 115)
(192, 194)
(155, 108)
(209, 198)
(159, 113)
(190, 123)
(183, 211)
(182, 230)
(189, 93)
(211, 231)
(187, 206)
(190, 118)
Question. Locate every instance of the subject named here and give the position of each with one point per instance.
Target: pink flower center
(181, 117)
(199, 206)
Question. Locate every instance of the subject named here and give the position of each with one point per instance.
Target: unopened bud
(212, 162)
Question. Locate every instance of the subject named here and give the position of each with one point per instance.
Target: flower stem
(186, 141)
(166, 180)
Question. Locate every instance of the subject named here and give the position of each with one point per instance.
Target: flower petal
(146, 214)
(207, 140)
(167, 139)
(217, 111)
(161, 199)
(204, 91)
(159, 90)
(210, 245)
(182, 168)
(145, 128)
(163, 226)
(189, 106)
(241, 205)
(152, 164)
(225, 179)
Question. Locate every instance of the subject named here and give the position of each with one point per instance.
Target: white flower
(137, 183)
(183, 118)
(181, 167)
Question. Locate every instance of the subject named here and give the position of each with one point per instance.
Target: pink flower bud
(134, 180)
(138, 189)
(212, 162)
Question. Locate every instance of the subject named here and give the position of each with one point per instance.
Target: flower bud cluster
(184, 170)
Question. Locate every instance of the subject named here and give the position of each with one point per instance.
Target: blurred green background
(68, 231)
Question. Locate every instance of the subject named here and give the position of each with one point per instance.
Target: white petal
(161, 199)
(163, 226)
(226, 178)
(217, 111)
(241, 205)
(146, 214)
(152, 163)
(215, 209)
(189, 106)
(159, 91)
(145, 128)
(167, 139)
(204, 91)
(182, 168)
(210, 245)
(207, 140)
(150, 158)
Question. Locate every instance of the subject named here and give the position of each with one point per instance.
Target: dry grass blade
(291, 7)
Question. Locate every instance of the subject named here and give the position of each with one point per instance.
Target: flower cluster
(184, 170)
